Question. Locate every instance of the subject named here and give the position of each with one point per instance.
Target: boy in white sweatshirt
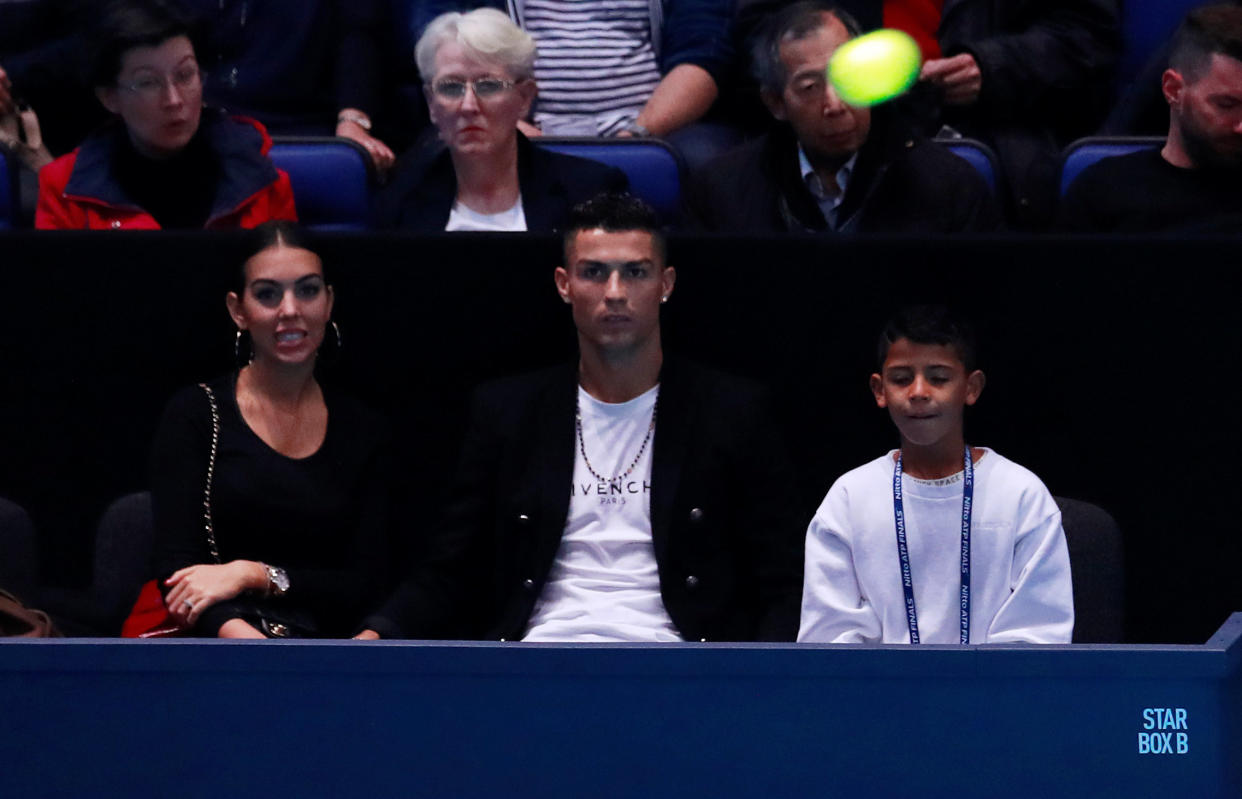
(935, 542)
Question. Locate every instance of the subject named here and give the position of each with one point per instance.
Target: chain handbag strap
(211, 471)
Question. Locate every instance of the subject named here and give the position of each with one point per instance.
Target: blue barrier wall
(1111, 367)
(215, 718)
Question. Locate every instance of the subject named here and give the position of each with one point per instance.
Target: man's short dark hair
(126, 24)
(791, 23)
(929, 324)
(615, 212)
(1205, 32)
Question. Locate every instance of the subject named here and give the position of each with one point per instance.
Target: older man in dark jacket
(830, 166)
(1025, 76)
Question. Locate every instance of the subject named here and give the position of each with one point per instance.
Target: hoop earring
(337, 330)
(237, 350)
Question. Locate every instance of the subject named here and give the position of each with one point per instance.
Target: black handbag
(278, 621)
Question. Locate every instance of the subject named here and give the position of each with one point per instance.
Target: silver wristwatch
(277, 581)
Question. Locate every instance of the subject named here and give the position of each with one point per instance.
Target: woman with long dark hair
(269, 490)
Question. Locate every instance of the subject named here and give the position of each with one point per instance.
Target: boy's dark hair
(929, 324)
(791, 23)
(126, 24)
(615, 212)
(1205, 32)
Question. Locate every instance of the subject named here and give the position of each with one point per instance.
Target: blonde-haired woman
(480, 173)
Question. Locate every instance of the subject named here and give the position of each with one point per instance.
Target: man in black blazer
(628, 497)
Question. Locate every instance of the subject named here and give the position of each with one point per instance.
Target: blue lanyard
(907, 578)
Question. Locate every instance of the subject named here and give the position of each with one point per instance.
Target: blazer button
(696, 515)
(692, 582)
(523, 519)
(528, 584)
(702, 640)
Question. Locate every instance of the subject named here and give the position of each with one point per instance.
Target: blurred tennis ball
(875, 67)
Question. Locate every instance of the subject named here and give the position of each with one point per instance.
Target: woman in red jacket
(165, 162)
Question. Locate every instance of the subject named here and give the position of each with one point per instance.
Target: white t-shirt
(604, 584)
(1020, 572)
(464, 218)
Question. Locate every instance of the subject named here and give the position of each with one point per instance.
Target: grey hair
(486, 34)
(790, 24)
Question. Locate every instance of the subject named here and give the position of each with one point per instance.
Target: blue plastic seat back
(8, 193)
(332, 180)
(653, 168)
(1083, 153)
(978, 155)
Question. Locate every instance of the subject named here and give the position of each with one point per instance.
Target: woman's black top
(323, 518)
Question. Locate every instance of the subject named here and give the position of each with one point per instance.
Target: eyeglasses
(149, 87)
(484, 88)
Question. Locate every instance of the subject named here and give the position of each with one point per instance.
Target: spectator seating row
(334, 180)
(125, 540)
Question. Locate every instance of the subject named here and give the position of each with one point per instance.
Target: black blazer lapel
(673, 433)
(552, 462)
(419, 197)
(797, 208)
(545, 200)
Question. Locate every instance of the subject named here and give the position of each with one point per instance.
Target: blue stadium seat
(8, 193)
(332, 180)
(1083, 153)
(654, 169)
(978, 155)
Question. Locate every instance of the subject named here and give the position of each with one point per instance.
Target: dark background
(1113, 367)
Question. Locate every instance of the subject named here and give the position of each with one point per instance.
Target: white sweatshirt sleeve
(1040, 609)
(833, 607)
